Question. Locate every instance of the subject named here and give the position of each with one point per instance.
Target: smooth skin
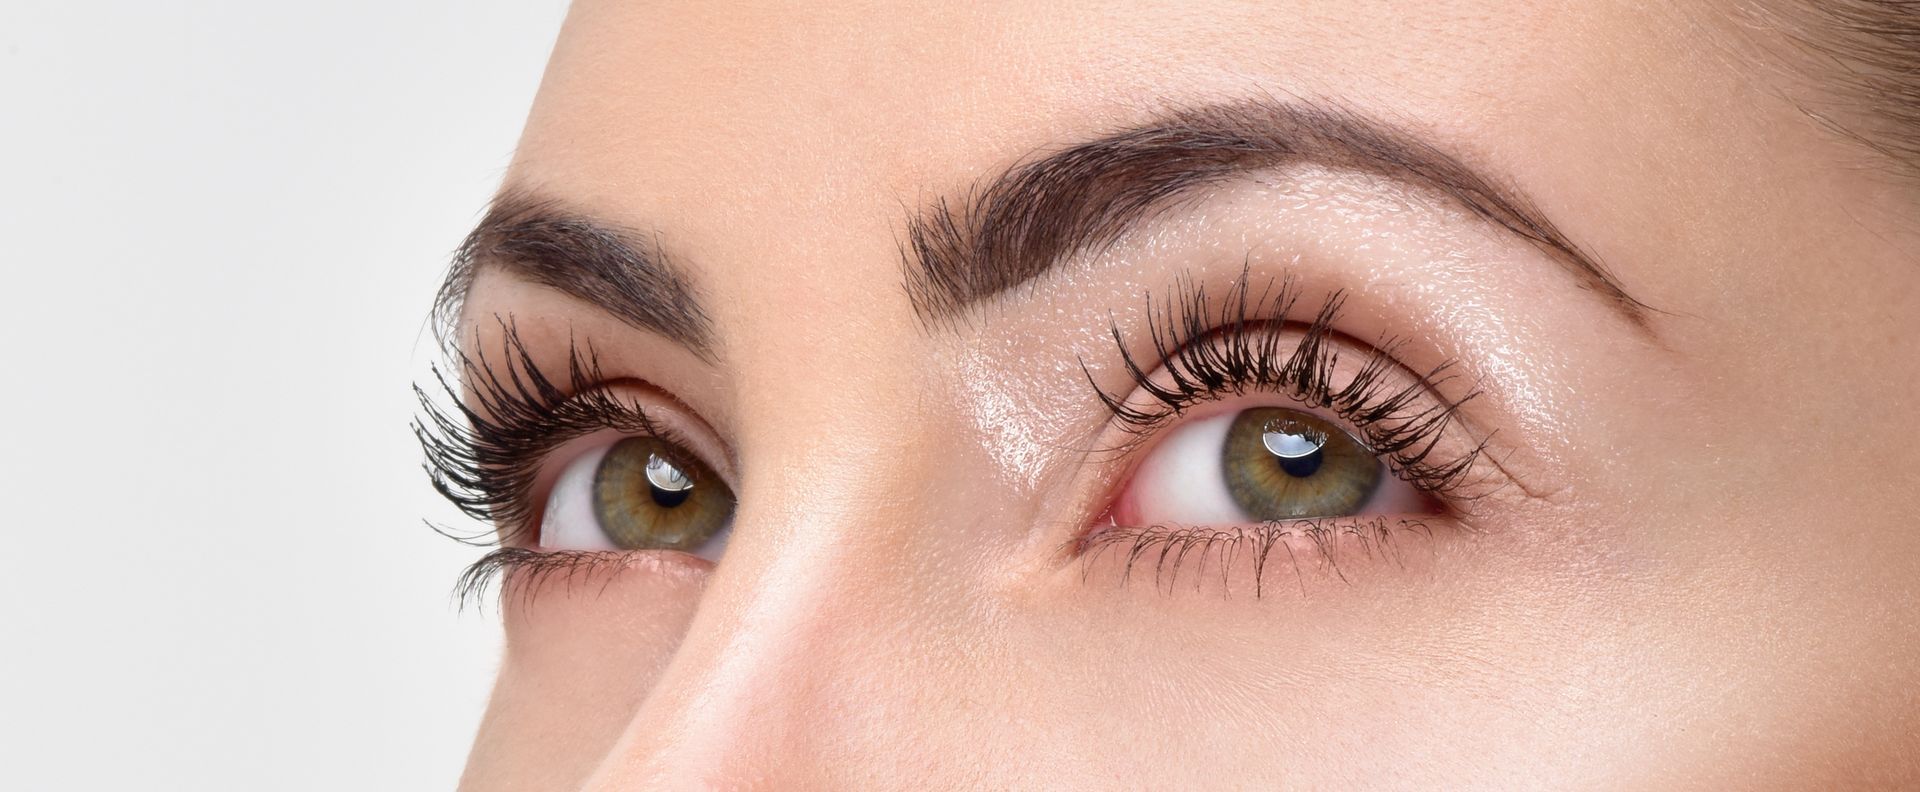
(1705, 570)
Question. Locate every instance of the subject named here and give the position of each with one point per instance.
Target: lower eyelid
(517, 574)
(1259, 559)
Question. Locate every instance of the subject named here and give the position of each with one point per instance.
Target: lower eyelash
(1211, 353)
(521, 570)
(1174, 551)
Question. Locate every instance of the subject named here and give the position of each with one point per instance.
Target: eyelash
(523, 570)
(486, 458)
(1214, 349)
(1171, 549)
(1211, 353)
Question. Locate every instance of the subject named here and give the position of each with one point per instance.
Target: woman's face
(1083, 395)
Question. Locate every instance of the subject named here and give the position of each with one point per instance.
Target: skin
(1699, 571)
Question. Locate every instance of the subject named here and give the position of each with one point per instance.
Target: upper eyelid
(675, 421)
(1195, 336)
(1434, 382)
(488, 452)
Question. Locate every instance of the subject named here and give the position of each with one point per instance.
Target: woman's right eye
(638, 493)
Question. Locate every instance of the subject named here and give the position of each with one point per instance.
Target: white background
(220, 230)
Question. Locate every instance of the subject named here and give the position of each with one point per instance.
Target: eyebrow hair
(609, 266)
(1080, 199)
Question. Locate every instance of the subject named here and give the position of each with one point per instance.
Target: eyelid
(1208, 354)
(1258, 556)
(674, 421)
(1210, 556)
(1207, 348)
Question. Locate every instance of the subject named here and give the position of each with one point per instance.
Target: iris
(1284, 464)
(647, 493)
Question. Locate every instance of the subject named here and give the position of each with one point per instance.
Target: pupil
(1301, 466)
(667, 498)
(1295, 445)
(666, 483)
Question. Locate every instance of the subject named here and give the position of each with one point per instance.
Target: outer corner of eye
(1260, 464)
(638, 493)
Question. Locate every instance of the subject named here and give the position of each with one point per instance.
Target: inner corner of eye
(1259, 464)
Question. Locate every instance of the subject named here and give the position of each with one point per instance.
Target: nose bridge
(796, 623)
(794, 658)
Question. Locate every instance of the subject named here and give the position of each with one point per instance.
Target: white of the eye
(569, 522)
(1181, 482)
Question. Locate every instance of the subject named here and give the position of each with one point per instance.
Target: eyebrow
(609, 266)
(1077, 200)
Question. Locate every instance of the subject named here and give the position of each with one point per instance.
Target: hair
(1865, 54)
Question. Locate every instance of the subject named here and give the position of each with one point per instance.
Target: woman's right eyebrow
(613, 268)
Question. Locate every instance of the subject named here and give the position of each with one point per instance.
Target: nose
(745, 697)
(827, 629)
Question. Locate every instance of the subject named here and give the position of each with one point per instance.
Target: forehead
(777, 151)
(702, 114)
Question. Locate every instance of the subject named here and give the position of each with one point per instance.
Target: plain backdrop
(221, 225)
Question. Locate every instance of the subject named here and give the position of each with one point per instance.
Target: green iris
(649, 494)
(1283, 464)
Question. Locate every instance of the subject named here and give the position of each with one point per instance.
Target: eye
(639, 493)
(1260, 464)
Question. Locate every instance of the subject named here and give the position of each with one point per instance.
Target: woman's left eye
(1260, 464)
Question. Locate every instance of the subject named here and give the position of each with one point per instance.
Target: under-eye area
(1241, 560)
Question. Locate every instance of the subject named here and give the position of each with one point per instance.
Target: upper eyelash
(486, 457)
(1246, 356)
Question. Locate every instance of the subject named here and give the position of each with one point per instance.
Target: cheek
(582, 654)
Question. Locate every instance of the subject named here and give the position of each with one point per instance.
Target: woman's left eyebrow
(1036, 215)
(607, 265)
